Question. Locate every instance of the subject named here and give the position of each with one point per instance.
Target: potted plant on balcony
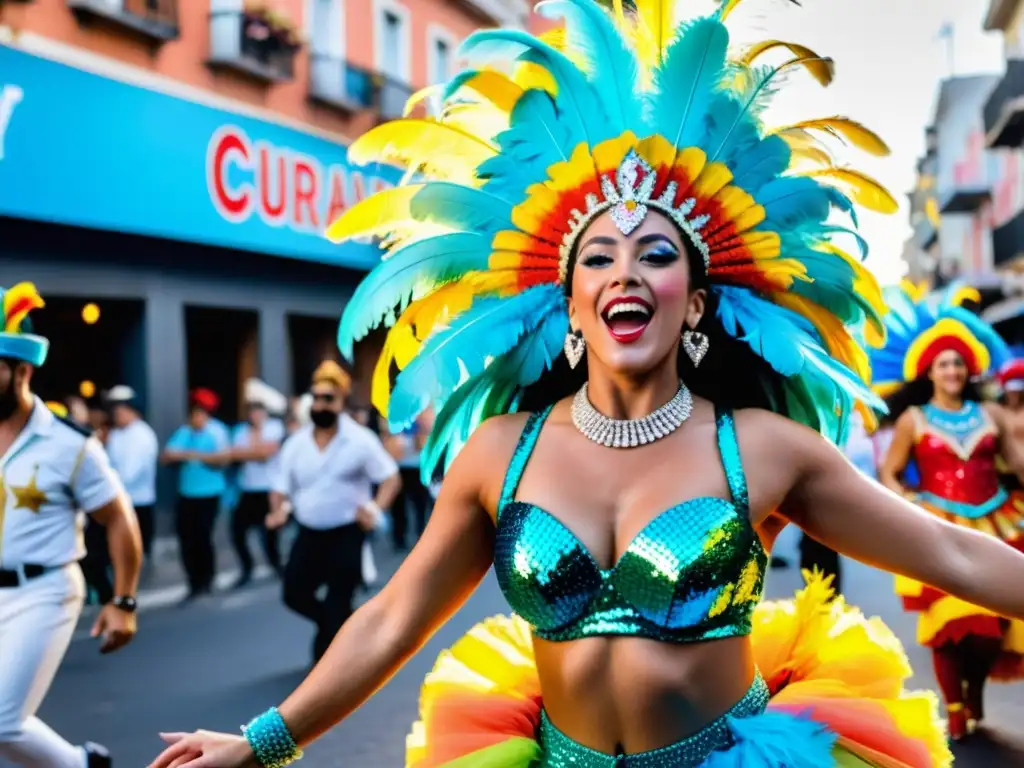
(268, 33)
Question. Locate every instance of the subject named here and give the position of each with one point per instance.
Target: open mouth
(627, 318)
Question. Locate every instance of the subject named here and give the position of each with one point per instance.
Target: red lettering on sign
(229, 146)
(283, 186)
(305, 195)
(337, 205)
(273, 173)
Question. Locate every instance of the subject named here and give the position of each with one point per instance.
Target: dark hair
(917, 393)
(731, 375)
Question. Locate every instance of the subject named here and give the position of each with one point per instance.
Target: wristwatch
(125, 603)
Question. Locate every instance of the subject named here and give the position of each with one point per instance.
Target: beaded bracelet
(271, 741)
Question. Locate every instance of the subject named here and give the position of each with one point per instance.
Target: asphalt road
(216, 664)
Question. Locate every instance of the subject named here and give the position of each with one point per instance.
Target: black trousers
(331, 558)
(814, 554)
(195, 538)
(251, 512)
(415, 501)
(96, 563)
(147, 527)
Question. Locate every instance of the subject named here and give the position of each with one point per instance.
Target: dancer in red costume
(935, 348)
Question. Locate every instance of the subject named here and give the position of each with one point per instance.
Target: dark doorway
(94, 345)
(222, 354)
(313, 340)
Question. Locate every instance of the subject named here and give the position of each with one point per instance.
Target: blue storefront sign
(77, 148)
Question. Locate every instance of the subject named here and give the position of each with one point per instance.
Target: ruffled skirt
(944, 619)
(832, 681)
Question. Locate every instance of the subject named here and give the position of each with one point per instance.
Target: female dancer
(628, 523)
(934, 348)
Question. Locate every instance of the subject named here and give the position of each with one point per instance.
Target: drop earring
(574, 347)
(695, 345)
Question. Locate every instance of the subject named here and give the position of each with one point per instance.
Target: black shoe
(97, 756)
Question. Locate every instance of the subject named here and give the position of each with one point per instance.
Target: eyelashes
(659, 257)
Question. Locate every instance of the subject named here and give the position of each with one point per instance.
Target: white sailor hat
(259, 392)
(122, 393)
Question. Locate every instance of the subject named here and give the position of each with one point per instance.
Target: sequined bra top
(695, 572)
(956, 459)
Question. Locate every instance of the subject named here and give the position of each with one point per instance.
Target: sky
(889, 61)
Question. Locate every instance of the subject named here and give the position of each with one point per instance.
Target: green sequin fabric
(695, 572)
(559, 751)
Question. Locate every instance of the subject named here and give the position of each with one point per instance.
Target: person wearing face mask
(50, 469)
(201, 451)
(255, 446)
(935, 349)
(324, 480)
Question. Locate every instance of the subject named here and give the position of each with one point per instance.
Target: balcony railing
(1004, 110)
(1008, 241)
(245, 44)
(393, 96)
(334, 81)
(964, 198)
(154, 20)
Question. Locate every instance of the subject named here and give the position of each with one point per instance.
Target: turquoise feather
(393, 283)
(686, 81)
(775, 739)
(462, 208)
(496, 390)
(610, 65)
(576, 96)
(489, 328)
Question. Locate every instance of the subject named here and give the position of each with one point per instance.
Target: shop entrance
(222, 353)
(313, 340)
(94, 345)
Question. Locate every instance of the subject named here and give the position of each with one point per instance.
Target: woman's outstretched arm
(850, 513)
(440, 573)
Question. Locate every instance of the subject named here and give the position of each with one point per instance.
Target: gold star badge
(29, 496)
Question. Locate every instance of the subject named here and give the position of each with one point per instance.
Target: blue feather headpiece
(922, 325)
(623, 113)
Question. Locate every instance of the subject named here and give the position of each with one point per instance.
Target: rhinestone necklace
(629, 433)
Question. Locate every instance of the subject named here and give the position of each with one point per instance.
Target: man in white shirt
(50, 469)
(255, 445)
(134, 451)
(327, 470)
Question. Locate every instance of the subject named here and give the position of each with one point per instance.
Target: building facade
(1003, 116)
(172, 165)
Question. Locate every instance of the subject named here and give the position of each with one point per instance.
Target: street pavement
(215, 664)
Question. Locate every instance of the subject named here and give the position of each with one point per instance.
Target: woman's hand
(205, 749)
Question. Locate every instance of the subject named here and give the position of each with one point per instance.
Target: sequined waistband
(559, 751)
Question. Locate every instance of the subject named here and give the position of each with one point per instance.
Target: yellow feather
(482, 120)
(443, 151)
(838, 341)
(497, 88)
(965, 293)
(915, 291)
(931, 209)
(375, 215)
(728, 6)
(820, 67)
(406, 337)
(859, 186)
(844, 128)
(420, 96)
(865, 284)
(656, 29)
(811, 156)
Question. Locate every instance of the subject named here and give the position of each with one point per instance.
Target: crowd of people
(232, 472)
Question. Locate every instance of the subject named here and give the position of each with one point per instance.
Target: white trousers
(37, 620)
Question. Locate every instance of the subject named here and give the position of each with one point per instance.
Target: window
(442, 61)
(391, 40)
(392, 45)
(325, 28)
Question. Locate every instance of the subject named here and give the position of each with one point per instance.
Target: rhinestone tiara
(630, 199)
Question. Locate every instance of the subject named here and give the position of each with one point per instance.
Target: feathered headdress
(921, 326)
(17, 340)
(620, 112)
